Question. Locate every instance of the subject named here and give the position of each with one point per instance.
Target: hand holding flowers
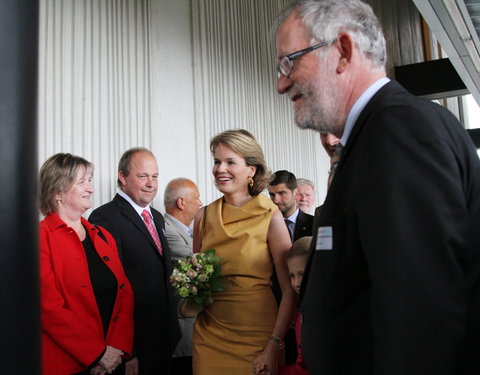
(195, 277)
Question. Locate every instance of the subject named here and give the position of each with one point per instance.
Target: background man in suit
(282, 191)
(329, 143)
(392, 284)
(332, 146)
(182, 201)
(145, 256)
(305, 196)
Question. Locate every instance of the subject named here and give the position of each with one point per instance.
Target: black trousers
(182, 366)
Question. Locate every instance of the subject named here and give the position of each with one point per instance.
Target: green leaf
(209, 253)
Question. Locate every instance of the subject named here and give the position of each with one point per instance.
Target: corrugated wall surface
(235, 81)
(168, 75)
(94, 98)
(109, 80)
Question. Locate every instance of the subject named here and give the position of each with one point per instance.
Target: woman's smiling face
(231, 171)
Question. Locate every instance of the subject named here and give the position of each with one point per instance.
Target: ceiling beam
(450, 22)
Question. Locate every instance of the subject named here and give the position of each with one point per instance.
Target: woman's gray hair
(325, 19)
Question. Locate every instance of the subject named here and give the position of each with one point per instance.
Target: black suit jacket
(303, 225)
(397, 292)
(156, 326)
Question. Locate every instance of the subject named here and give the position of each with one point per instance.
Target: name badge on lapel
(324, 238)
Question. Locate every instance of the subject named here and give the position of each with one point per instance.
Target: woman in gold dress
(242, 330)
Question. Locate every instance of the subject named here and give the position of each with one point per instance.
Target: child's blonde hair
(301, 247)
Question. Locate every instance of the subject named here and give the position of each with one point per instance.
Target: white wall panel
(94, 96)
(173, 121)
(167, 75)
(234, 78)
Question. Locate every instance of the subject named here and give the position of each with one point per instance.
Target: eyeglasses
(285, 66)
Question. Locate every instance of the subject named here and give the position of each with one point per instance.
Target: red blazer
(72, 331)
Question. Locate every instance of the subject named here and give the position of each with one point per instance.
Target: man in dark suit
(331, 145)
(392, 283)
(138, 230)
(283, 190)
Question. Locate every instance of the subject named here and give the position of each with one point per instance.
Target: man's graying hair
(325, 19)
(126, 159)
(304, 181)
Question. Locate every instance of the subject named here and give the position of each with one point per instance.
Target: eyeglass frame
(295, 55)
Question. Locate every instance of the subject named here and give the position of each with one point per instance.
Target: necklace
(81, 233)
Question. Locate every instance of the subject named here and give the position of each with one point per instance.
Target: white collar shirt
(359, 105)
(135, 206)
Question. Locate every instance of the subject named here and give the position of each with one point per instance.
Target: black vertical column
(19, 286)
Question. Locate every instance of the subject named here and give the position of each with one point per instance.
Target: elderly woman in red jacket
(86, 299)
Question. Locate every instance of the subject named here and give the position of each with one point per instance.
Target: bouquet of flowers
(195, 277)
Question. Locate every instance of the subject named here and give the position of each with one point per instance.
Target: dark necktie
(290, 226)
(149, 224)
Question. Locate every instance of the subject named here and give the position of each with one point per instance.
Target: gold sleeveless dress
(230, 332)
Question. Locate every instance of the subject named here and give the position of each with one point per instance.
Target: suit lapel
(159, 224)
(158, 220)
(302, 226)
(132, 215)
(384, 91)
(298, 225)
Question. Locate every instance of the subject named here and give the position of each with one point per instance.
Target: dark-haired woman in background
(86, 299)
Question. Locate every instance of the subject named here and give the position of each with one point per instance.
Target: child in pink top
(296, 261)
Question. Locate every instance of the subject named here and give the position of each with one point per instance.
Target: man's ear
(122, 178)
(180, 203)
(345, 47)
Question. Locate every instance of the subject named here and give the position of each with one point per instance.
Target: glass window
(471, 112)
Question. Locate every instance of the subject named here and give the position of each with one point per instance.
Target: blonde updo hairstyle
(58, 175)
(244, 143)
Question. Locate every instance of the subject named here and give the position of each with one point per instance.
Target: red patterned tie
(148, 222)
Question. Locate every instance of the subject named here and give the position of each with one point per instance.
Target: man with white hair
(392, 284)
(305, 196)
